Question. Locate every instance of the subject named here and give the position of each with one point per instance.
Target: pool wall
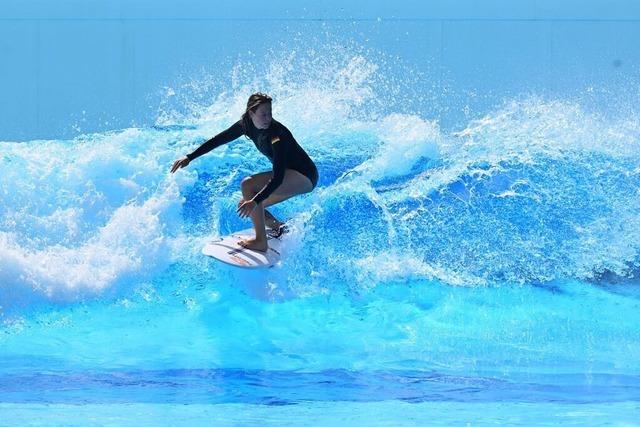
(71, 67)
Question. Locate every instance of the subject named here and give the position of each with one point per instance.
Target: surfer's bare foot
(273, 224)
(271, 221)
(254, 244)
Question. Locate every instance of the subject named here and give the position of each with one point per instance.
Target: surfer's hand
(246, 207)
(180, 163)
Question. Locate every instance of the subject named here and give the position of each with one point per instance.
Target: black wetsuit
(277, 143)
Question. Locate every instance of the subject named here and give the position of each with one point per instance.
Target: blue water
(483, 272)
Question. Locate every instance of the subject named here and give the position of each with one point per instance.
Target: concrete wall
(100, 65)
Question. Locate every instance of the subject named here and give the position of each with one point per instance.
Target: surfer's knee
(248, 187)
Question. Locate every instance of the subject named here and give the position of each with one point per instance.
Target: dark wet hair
(255, 100)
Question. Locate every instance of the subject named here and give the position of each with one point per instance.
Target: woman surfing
(293, 170)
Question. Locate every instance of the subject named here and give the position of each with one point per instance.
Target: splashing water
(422, 248)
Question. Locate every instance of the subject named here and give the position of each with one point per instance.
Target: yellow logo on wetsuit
(275, 139)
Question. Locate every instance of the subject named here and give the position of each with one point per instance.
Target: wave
(534, 191)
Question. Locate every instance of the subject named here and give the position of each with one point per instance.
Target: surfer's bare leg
(294, 183)
(259, 242)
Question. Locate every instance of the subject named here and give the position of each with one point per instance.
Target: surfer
(293, 170)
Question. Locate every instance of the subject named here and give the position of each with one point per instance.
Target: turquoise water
(480, 272)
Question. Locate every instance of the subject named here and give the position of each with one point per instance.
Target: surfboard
(227, 249)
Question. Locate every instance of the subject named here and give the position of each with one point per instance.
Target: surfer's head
(259, 110)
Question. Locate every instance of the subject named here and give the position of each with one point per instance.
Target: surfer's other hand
(246, 207)
(180, 163)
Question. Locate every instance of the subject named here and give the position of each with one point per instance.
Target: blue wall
(80, 66)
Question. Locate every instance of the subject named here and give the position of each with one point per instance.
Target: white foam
(132, 243)
(406, 140)
(100, 212)
(399, 267)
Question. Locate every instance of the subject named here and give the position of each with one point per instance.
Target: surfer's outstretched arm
(228, 135)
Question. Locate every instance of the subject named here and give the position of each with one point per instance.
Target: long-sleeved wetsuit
(277, 143)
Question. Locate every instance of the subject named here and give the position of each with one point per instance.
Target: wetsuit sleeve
(279, 166)
(234, 132)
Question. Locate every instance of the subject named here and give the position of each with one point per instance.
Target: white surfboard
(227, 250)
